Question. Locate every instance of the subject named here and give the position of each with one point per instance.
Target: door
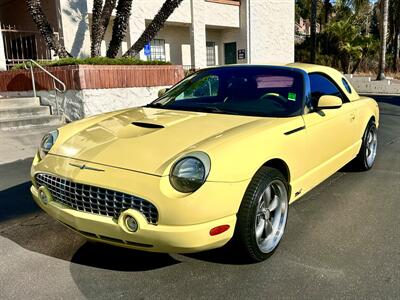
(230, 53)
(330, 132)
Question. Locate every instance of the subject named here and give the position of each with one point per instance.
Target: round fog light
(43, 197)
(131, 223)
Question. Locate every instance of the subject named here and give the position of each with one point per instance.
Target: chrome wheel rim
(271, 215)
(372, 143)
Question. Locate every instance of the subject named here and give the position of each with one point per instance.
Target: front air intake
(93, 199)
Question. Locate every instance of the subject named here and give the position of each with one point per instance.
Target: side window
(320, 86)
(207, 86)
(346, 85)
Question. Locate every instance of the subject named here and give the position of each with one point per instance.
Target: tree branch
(151, 30)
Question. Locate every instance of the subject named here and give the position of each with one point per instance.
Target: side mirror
(162, 92)
(328, 101)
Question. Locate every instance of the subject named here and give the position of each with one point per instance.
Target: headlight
(47, 142)
(189, 173)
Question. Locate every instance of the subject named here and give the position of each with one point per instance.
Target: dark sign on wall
(241, 54)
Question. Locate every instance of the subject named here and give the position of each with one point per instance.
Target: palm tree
(394, 29)
(151, 30)
(382, 50)
(101, 18)
(313, 31)
(44, 27)
(119, 28)
(327, 6)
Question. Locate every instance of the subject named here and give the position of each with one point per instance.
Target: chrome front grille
(93, 199)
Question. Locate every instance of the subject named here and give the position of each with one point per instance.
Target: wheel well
(280, 165)
(372, 119)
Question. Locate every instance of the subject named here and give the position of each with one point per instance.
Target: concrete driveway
(342, 241)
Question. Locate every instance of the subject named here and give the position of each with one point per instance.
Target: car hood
(144, 139)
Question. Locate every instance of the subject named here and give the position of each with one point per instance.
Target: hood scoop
(138, 129)
(147, 125)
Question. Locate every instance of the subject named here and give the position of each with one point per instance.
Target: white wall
(272, 31)
(75, 23)
(85, 103)
(217, 14)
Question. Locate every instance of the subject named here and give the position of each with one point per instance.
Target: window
(320, 86)
(210, 53)
(205, 87)
(346, 85)
(157, 50)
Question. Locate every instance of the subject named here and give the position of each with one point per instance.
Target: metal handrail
(55, 80)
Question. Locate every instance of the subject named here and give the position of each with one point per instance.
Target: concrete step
(16, 112)
(15, 123)
(19, 102)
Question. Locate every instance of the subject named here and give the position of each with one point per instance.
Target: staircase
(25, 113)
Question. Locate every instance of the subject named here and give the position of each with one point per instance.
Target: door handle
(352, 116)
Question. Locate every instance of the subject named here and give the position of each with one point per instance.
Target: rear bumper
(156, 238)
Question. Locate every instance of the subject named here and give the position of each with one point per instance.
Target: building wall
(272, 31)
(177, 44)
(215, 35)
(270, 23)
(75, 23)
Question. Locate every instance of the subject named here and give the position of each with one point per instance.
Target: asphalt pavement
(342, 241)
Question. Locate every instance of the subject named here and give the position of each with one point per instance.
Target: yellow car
(218, 156)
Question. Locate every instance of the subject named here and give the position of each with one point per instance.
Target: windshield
(253, 91)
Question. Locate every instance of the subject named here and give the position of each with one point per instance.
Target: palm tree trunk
(356, 65)
(313, 31)
(44, 27)
(327, 7)
(100, 22)
(96, 17)
(382, 50)
(151, 30)
(119, 28)
(396, 45)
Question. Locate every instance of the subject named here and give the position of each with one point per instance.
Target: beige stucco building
(199, 33)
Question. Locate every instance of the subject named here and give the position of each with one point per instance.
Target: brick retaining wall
(79, 77)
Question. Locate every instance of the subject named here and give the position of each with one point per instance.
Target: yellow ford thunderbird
(219, 156)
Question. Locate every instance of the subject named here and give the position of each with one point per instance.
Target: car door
(330, 132)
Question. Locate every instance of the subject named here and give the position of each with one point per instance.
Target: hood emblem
(85, 167)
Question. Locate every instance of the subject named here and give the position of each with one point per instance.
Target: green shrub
(94, 61)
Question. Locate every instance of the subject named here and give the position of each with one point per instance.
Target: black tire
(245, 235)
(361, 162)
